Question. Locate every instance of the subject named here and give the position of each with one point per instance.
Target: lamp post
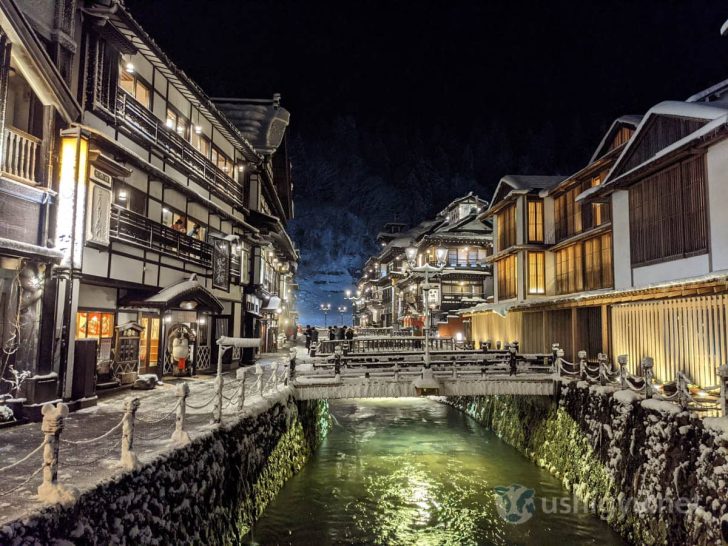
(341, 309)
(325, 307)
(440, 254)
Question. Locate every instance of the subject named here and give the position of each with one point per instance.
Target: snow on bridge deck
(317, 378)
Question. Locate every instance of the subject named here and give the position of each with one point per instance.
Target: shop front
(176, 338)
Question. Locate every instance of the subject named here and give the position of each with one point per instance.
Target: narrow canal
(413, 471)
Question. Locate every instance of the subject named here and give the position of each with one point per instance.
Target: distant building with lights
(392, 295)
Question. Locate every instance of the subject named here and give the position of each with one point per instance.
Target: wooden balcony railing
(141, 119)
(20, 155)
(134, 228)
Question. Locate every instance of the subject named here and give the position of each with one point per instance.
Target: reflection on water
(413, 471)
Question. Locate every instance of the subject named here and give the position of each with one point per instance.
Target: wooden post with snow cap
(683, 394)
(555, 358)
(581, 355)
(52, 426)
(259, 379)
(180, 436)
(622, 361)
(128, 458)
(647, 366)
(602, 359)
(241, 389)
(722, 372)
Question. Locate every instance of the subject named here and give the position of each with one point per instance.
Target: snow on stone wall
(657, 475)
(208, 492)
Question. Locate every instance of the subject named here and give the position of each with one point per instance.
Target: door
(149, 344)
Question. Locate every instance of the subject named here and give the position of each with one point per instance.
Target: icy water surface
(416, 472)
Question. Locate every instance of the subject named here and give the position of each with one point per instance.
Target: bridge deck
(452, 373)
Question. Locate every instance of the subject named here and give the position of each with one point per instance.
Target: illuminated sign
(70, 221)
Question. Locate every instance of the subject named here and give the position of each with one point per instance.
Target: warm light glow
(122, 195)
(72, 193)
(129, 68)
(202, 320)
(411, 253)
(198, 129)
(348, 293)
(441, 254)
(168, 318)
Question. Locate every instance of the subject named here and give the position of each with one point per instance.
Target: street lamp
(440, 254)
(342, 310)
(325, 307)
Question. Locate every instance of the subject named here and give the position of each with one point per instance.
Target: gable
(501, 191)
(658, 133)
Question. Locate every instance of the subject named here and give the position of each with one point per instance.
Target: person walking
(349, 334)
(307, 333)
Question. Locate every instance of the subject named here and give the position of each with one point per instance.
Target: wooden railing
(20, 155)
(384, 344)
(135, 114)
(134, 228)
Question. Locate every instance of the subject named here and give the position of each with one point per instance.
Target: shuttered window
(507, 278)
(506, 221)
(536, 282)
(668, 214)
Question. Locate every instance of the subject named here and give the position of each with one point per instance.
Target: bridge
(393, 367)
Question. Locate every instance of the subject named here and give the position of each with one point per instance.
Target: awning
(26, 250)
(273, 304)
(189, 295)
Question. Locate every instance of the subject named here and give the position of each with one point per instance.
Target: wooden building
(161, 211)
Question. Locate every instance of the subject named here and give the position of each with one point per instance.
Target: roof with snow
(515, 184)
(262, 121)
(631, 121)
(187, 293)
(692, 122)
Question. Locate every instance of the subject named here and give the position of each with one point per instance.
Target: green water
(413, 471)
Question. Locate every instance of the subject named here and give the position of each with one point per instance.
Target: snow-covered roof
(18, 248)
(262, 122)
(714, 116)
(631, 121)
(174, 295)
(513, 184)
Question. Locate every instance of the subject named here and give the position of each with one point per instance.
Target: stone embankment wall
(208, 492)
(656, 474)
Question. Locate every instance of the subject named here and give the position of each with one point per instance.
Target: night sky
(465, 63)
(399, 107)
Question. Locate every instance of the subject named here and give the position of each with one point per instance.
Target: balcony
(131, 112)
(136, 229)
(20, 155)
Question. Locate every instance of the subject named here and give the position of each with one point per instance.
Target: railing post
(52, 426)
(259, 384)
(722, 373)
(513, 358)
(581, 355)
(241, 391)
(602, 359)
(180, 436)
(647, 366)
(219, 383)
(128, 458)
(683, 395)
(558, 356)
(622, 360)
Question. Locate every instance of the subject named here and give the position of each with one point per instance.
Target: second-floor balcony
(129, 111)
(20, 152)
(134, 228)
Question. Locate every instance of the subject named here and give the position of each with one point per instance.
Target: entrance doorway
(149, 344)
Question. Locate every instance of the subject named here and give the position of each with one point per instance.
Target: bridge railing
(328, 347)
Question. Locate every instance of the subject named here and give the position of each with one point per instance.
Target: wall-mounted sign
(100, 177)
(99, 212)
(220, 264)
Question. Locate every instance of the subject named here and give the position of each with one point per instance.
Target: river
(414, 471)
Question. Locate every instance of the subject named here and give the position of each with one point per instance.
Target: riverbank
(208, 492)
(655, 474)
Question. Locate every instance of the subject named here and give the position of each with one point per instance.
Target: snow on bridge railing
(680, 391)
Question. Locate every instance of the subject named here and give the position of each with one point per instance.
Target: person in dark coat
(332, 333)
(340, 333)
(307, 333)
(314, 335)
(350, 334)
